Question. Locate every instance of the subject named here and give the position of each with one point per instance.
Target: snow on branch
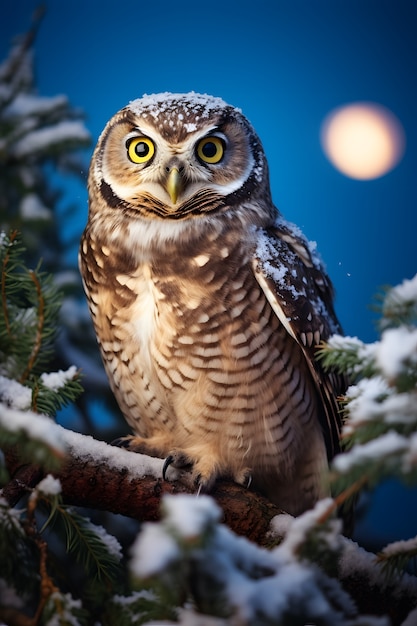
(380, 431)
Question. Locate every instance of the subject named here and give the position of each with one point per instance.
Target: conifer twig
(12, 238)
(39, 330)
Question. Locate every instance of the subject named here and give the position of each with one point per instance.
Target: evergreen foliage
(38, 137)
(28, 325)
(41, 139)
(381, 405)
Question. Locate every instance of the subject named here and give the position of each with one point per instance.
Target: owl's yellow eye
(210, 150)
(140, 149)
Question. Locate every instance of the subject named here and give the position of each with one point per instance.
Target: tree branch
(97, 475)
(106, 479)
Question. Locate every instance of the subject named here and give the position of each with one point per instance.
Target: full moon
(363, 140)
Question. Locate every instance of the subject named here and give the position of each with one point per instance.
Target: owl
(208, 306)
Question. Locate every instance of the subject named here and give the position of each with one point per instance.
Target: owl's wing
(300, 293)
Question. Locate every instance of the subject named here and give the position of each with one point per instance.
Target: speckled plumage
(207, 305)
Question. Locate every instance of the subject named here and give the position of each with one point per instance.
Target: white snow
(301, 526)
(398, 547)
(111, 543)
(364, 352)
(25, 104)
(355, 560)
(192, 103)
(35, 426)
(65, 615)
(153, 551)
(32, 208)
(390, 443)
(269, 254)
(49, 485)
(10, 516)
(256, 583)
(344, 342)
(396, 351)
(365, 400)
(15, 395)
(280, 524)
(41, 139)
(86, 447)
(373, 400)
(404, 292)
(188, 516)
(57, 380)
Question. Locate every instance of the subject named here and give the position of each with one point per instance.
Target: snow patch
(302, 526)
(15, 395)
(44, 138)
(49, 486)
(404, 292)
(396, 351)
(189, 516)
(192, 103)
(35, 426)
(111, 543)
(390, 443)
(396, 547)
(85, 446)
(153, 551)
(67, 605)
(26, 104)
(57, 380)
(280, 524)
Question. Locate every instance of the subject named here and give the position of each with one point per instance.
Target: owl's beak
(174, 184)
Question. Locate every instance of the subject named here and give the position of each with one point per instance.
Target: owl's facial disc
(179, 170)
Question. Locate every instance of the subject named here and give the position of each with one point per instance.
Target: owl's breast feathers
(213, 340)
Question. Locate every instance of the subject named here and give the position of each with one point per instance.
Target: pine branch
(397, 555)
(87, 545)
(38, 339)
(98, 476)
(30, 306)
(12, 239)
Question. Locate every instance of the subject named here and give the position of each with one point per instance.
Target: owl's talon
(244, 478)
(168, 461)
(121, 442)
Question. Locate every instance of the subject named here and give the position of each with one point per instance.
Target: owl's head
(174, 157)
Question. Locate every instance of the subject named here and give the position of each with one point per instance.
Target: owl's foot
(154, 446)
(204, 470)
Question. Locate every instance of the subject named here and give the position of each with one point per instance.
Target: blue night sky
(286, 64)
